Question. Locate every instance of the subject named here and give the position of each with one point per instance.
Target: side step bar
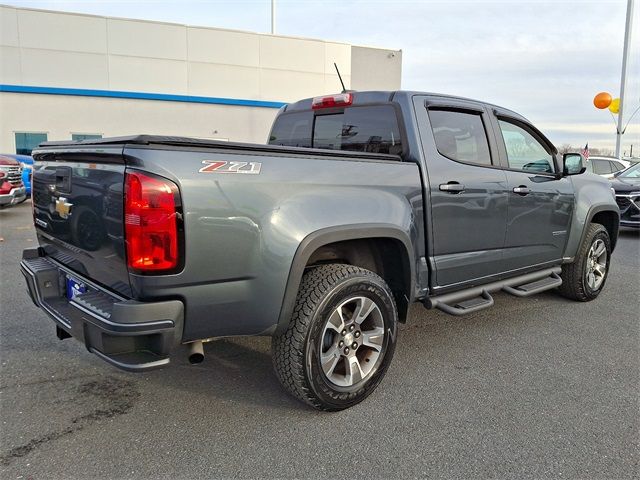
(477, 298)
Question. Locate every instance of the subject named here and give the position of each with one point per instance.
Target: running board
(478, 298)
(537, 286)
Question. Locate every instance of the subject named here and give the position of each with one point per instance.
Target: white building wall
(116, 117)
(52, 49)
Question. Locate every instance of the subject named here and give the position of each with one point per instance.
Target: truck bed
(240, 232)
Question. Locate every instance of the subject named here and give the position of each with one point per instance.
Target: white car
(605, 166)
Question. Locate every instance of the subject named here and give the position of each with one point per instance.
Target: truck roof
(386, 96)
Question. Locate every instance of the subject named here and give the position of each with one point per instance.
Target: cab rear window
(372, 129)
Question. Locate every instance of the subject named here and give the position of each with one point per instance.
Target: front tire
(340, 340)
(584, 279)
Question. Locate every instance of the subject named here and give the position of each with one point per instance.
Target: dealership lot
(541, 387)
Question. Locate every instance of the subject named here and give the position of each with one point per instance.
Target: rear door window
(372, 129)
(460, 136)
(601, 166)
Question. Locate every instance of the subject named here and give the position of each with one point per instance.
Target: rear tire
(341, 337)
(584, 279)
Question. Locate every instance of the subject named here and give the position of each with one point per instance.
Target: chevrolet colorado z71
(362, 203)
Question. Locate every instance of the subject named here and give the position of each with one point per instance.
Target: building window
(83, 136)
(26, 142)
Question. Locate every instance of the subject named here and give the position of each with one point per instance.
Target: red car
(12, 190)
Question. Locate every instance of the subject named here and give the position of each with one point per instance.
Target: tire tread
(288, 348)
(572, 282)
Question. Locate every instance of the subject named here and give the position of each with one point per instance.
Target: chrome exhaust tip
(196, 352)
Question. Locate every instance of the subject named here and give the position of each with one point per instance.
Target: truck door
(540, 201)
(467, 190)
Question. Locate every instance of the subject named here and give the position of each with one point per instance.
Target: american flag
(585, 151)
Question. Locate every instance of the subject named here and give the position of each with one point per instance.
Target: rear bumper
(13, 197)
(128, 334)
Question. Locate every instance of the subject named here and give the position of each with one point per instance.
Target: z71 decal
(212, 166)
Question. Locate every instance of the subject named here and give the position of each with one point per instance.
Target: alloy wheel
(352, 341)
(596, 265)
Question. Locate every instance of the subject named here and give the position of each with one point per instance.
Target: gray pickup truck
(362, 203)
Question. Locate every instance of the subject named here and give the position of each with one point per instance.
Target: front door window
(524, 151)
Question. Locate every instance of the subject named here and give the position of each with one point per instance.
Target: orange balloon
(602, 100)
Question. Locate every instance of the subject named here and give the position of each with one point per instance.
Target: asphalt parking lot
(534, 388)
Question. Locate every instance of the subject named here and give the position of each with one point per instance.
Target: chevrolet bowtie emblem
(63, 207)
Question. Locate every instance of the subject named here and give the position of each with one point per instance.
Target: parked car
(26, 162)
(605, 166)
(627, 187)
(362, 203)
(12, 189)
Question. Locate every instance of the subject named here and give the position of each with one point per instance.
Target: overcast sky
(543, 59)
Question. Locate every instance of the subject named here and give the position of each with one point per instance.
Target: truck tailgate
(78, 211)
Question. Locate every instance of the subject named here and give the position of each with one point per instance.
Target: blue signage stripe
(165, 97)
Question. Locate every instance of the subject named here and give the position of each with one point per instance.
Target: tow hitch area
(130, 335)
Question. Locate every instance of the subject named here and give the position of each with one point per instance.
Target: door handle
(451, 187)
(521, 190)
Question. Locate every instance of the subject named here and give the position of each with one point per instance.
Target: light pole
(273, 16)
(623, 79)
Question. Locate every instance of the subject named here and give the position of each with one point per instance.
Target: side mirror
(572, 164)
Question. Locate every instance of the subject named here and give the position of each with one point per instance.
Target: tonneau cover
(187, 142)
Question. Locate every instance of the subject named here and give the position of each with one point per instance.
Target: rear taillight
(330, 101)
(151, 223)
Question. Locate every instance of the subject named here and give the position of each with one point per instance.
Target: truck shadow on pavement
(629, 233)
(236, 370)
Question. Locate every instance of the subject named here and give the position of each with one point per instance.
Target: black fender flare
(573, 246)
(592, 213)
(325, 236)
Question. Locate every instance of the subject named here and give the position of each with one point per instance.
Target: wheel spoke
(336, 321)
(365, 307)
(329, 360)
(353, 370)
(591, 280)
(600, 269)
(599, 249)
(373, 338)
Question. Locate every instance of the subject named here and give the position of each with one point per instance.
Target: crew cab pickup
(360, 204)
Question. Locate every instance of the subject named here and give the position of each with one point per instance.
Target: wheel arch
(609, 219)
(606, 214)
(316, 246)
